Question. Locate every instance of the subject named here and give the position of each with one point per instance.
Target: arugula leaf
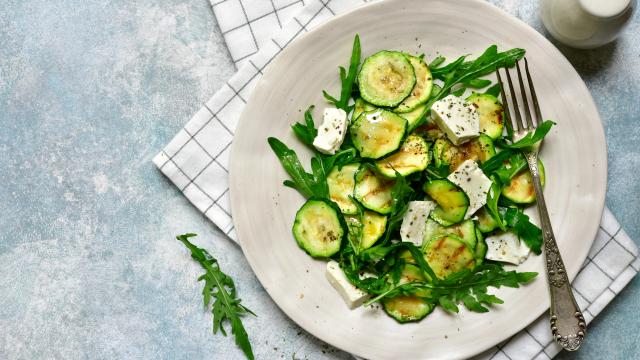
(468, 287)
(437, 62)
(306, 132)
(227, 306)
(448, 304)
(401, 194)
(477, 83)
(519, 223)
(461, 72)
(496, 161)
(531, 138)
(302, 181)
(494, 90)
(437, 172)
(507, 171)
(492, 203)
(312, 184)
(347, 79)
(355, 228)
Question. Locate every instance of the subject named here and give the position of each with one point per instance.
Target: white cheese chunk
(470, 178)
(414, 221)
(351, 295)
(506, 247)
(332, 131)
(456, 118)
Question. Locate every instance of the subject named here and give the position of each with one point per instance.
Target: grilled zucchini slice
(360, 107)
(372, 226)
(341, 182)
(481, 248)
(465, 230)
(412, 157)
(520, 190)
(407, 308)
(479, 149)
(491, 114)
(386, 78)
(377, 133)
(448, 254)
(319, 228)
(422, 89)
(452, 201)
(486, 222)
(373, 191)
(414, 116)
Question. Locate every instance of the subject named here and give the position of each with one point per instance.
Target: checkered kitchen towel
(196, 159)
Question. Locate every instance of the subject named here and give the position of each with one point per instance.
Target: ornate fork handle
(567, 323)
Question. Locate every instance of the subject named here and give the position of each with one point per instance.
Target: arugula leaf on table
(532, 138)
(306, 132)
(347, 79)
(220, 287)
(520, 224)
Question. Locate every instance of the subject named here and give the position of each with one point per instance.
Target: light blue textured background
(89, 92)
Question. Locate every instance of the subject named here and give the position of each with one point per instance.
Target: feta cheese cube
(470, 178)
(351, 295)
(456, 118)
(414, 221)
(506, 247)
(332, 131)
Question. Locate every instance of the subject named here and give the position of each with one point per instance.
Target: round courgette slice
(415, 116)
(479, 149)
(448, 254)
(520, 190)
(360, 107)
(486, 222)
(490, 111)
(372, 224)
(341, 182)
(319, 228)
(373, 191)
(452, 201)
(465, 230)
(422, 89)
(481, 248)
(412, 157)
(386, 78)
(377, 133)
(407, 308)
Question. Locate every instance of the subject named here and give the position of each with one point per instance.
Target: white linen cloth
(196, 160)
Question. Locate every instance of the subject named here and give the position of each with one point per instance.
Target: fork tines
(518, 123)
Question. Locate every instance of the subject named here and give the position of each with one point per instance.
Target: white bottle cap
(604, 8)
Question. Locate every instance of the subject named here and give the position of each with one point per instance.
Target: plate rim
(600, 130)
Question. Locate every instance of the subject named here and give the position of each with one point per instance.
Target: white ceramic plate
(263, 210)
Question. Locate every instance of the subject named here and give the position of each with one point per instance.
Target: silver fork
(567, 323)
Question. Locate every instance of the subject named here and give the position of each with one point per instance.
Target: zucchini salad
(416, 190)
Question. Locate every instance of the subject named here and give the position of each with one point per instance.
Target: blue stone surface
(90, 91)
